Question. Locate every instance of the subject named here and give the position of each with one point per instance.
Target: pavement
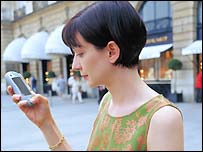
(75, 122)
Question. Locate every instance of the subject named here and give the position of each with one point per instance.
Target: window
(156, 68)
(51, 2)
(162, 9)
(148, 16)
(5, 15)
(20, 4)
(37, 5)
(147, 69)
(156, 15)
(22, 8)
(158, 20)
(164, 72)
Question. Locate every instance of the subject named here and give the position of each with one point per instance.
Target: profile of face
(92, 63)
(104, 36)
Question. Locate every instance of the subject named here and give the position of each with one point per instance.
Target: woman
(106, 39)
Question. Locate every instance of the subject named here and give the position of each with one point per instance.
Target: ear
(113, 51)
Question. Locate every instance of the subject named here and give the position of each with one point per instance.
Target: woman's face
(91, 62)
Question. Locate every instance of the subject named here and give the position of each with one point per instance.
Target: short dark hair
(102, 22)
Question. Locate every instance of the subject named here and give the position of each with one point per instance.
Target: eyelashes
(79, 54)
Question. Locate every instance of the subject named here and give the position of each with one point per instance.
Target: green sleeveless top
(126, 133)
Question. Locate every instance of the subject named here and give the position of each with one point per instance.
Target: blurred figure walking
(33, 82)
(61, 83)
(198, 87)
(76, 89)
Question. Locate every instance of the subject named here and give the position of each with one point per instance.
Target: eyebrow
(77, 50)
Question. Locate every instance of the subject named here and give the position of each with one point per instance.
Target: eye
(80, 54)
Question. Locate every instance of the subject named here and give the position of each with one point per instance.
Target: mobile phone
(19, 86)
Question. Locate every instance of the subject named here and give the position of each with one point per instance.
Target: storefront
(153, 66)
(195, 48)
(56, 48)
(13, 60)
(33, 50)
(12, 56)
(154, 57)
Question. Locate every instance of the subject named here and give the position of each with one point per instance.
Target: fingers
(16, 98)
(22, 103)
(37, 98)
(10, 90)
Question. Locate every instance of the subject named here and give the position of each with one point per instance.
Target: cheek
(95, 66)
(92, 61)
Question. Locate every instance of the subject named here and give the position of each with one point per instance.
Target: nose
(76, 66)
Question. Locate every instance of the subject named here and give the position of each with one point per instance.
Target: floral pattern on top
(127, 133)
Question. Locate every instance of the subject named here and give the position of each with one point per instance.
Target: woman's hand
(39, 113)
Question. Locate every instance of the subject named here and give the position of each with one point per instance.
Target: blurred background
(170, 62)
(31, 43)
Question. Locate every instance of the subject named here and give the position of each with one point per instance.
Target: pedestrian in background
(54, 86)
(84, 87)
(198, 87)
(70, 82)
(76, 89)
(106, 39)
(102, 91)
(33, 82)
(61, 85)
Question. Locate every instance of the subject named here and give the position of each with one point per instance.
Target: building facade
(171, 26)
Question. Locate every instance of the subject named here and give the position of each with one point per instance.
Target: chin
(91, 84)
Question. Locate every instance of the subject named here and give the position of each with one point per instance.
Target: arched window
(199, 20)
(22, 8)
(20, 4)
(157, 16)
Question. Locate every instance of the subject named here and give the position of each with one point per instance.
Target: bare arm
(53, 136)
(166, 131)
(41, 116)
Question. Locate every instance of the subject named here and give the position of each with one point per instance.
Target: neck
(126, 86)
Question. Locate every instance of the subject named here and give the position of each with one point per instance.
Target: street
(75, 122)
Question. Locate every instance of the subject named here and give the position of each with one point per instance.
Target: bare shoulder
(168, 114)
(166, 130)
(167, 118)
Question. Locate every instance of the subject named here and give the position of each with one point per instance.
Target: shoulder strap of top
(160, 102)
(166, 102)
(106, 98)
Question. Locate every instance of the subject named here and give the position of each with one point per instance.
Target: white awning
(55, 44)
(194, 48)
(153, 51)
(34, 48)
(12, 52)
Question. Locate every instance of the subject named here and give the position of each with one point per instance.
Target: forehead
(81, 42)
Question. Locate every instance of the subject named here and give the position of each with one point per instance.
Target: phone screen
(21, 86)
